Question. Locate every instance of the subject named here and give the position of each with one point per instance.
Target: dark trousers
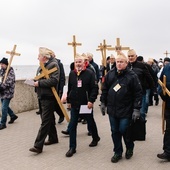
(73, 126)
(118, 129)
(166, 139)
(48, 123)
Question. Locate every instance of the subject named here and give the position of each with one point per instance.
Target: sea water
(29, 71)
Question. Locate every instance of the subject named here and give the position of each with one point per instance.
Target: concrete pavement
(18, 137)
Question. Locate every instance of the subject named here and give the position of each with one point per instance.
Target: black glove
(103, 108)
(135, 114)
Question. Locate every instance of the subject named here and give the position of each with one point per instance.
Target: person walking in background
(96, 67)
(6, 93)
(144, 77)
(166, 140)
(122, 95)
(82, 90)
(47, 101)
(155, 69)
(111, 64)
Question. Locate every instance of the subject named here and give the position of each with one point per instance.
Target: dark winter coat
(86, 93)
(120, 103)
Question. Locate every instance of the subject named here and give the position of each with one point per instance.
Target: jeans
(118, 129)
(6, 110)
(144, 106)
(73, 126)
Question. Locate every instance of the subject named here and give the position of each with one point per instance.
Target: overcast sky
(143, 25)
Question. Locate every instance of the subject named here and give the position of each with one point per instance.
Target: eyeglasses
(131, 55)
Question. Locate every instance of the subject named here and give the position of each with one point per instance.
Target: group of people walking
(124, 97)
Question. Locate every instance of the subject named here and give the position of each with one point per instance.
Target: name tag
(79, 83)
(117, 87)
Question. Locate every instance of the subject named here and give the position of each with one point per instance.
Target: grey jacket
(44, 90)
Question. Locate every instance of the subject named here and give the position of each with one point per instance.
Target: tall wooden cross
(103, 47)
(165, 91)
(12, 53)
(45, 73)
(118, 47)
(74, 44)
(166, 53)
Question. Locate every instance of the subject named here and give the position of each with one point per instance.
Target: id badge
(117, 87)
(79, 83)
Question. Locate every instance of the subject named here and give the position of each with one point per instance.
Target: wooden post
(165, 91)
(166, 53)
(74, 44)
(45, 73)
(118, 47)
(12, 53)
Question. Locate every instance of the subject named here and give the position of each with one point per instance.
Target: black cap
(4, 61)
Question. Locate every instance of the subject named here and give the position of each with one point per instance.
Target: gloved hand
(135, 114)
(103, 108)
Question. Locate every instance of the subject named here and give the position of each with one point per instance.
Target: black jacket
(120, 103)
(143, 74)
(87, 92)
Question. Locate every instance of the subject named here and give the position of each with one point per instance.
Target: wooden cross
(12, 53)
(166, 53)
(102, 48)
(118, 47)
(74, 44)
(165, 91)
(45, 73)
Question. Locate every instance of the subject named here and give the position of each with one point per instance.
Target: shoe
(94, 142)
(61, 119)
(65, 132)
(129, 153)
(116, 158)
(38, 112)
(2, 126)
(156, 103)
(164, 156)
(13, 119)
(36, 150)
(89, 134)
(79, 120)
(70, 152)
(84, 121)
(50, 143)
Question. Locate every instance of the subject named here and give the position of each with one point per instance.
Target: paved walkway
(17, 138)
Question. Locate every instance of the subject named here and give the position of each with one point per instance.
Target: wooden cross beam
(12, 53)
(166, 53)
(165, 91)
(45, 73)
(103, 47)
(100, 49)
(118, 47)
(74, 44)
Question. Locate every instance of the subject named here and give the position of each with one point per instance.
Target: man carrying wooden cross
(7, 87)
(47, 100)
(166, 98)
